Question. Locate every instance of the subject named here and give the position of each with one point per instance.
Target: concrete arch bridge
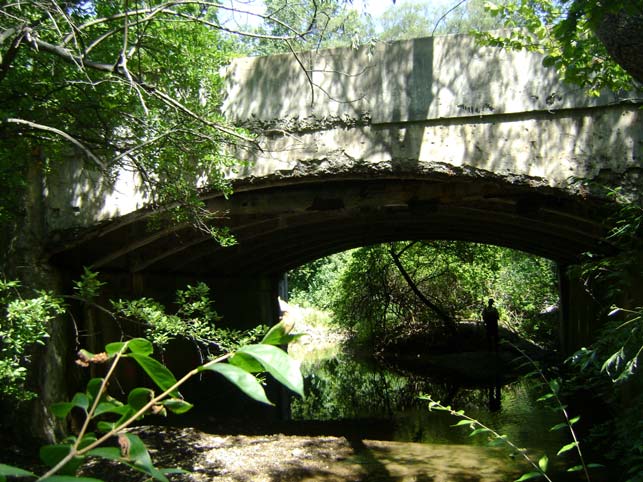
(432, 138)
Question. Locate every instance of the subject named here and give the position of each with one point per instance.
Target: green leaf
(549, 61)
(139, 397)
(139, 456)
(479, 430)
(543, 463)
(163, 377)
(554, 385)
(497, 441)
(52, 454)
(547, 396)
(246, 362)
(492, 8)
(280, 334)
(10, 471)
(113, 348)
(247, 383)
(615, 359)
(529, 476)
(93, 387)
(61, 409)
(464, 422)
(575, 468)
(176, 405)
(140, 346)
(109, 453)
(111, 407)
(81, 400)
(88, 439)
(105, 426)
(69, 478)
(278, 364)
(567, 448)
(277, 333)
(558, 427)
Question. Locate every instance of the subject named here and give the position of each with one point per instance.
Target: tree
(328, 23)
(123, 85)
(385, 292)
(593, 44)
(621, 31)
(422, 19)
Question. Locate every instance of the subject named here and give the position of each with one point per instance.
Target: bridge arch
(282, 223)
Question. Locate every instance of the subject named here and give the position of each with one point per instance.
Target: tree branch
(67, 55)
(7, 59)
(436, 309)
(64, 135)
(167, 9)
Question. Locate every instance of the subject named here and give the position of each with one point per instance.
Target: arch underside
(279, 226)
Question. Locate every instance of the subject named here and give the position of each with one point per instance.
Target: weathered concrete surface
(435, 138)
(414, 80)
(413, 108)
(442, 100)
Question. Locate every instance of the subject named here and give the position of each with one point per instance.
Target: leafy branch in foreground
(112, 417)
(478, 427)
(542, 464)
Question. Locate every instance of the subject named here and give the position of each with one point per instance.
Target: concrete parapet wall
(414, 80)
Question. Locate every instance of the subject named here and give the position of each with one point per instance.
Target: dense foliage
(422, 19)
(327, 23)
(105, 418)
(24, 325)
(366, 290)
(610, 369)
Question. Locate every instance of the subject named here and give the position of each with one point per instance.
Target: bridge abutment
(579, 313)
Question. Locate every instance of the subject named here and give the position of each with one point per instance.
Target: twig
(474, 422)
(435, 27)
(75, 452)
(562, 408)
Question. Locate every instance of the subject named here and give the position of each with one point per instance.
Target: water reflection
(349, 390)
(495, 393)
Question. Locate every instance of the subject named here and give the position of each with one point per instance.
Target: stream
(374, 402)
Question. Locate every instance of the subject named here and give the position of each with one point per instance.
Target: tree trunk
(444, 316)
(622, 35)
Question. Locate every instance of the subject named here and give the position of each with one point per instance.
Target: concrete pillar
(580, 312)
(24, 259)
